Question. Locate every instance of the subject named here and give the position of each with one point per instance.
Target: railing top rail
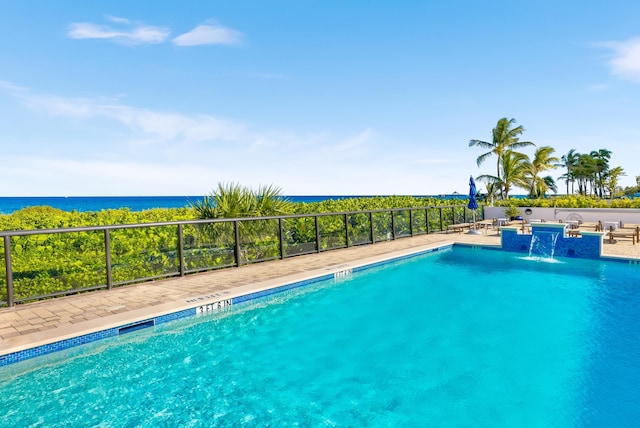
(203, 221)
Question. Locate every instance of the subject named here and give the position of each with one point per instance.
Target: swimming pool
(457, 337)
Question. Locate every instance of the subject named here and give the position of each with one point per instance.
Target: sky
(327, 97)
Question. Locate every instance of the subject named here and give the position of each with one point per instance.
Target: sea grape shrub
(48, 263)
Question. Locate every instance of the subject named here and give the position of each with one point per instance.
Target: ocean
(10, 204)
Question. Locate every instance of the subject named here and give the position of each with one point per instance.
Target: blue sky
(316, 97)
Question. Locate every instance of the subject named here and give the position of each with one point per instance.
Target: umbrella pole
(472, 229)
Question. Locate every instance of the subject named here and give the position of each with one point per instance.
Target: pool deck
(29, 325)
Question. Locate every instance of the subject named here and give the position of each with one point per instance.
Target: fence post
(236, 232)
(315, 218)
(411, 222)
(107, 256)
(281, 236)
(181, 249)
(453, 215)
(371, 227)
(441, 228)
(346, 229)
(8, 271)
(393, 226)
(426, 219)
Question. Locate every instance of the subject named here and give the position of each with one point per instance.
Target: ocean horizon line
(11, 204)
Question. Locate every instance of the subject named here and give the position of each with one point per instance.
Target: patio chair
(458, 227)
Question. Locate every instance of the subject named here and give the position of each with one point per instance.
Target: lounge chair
(584, 227)
(630, 228)
(459, 227)
(590, 225)
(624, 233)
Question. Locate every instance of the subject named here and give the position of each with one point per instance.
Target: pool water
(460, 337)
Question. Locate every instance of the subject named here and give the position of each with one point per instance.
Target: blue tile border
(61, 345)
(259, 294)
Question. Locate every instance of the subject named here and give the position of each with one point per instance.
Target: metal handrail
(205, 221)
(237, 245)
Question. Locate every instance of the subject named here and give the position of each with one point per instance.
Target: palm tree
(269, 202)
(601, 158)
(493, 191)
(569, 161)
(504, 138)
(550, 184)
(585, 174)
(612, 179)
(542, 161)
(515, 167)
(231, 200)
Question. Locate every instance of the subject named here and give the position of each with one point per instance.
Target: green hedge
(572, 201)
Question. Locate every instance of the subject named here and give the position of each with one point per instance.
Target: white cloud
(117, 19)
(188, 154)
(430, 161)
(598, 87)
(64, 176)
(163, 126)
(11, 87)
(147, 125)
(209, 34)
(126, 33)
(625, 61)
(353, 142)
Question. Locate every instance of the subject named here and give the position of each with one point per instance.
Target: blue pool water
(461, 337)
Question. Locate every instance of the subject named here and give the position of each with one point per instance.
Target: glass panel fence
(145, 252)
(359, 229)
(61, 263)
(208, 246)
(332, 232)
(299, 236)
(259, 240)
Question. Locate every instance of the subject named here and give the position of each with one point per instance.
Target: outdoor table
(484, 224)
(573, 224)
(501, 221)
(607, 225)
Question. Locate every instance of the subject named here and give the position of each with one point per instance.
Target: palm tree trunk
(502, 196)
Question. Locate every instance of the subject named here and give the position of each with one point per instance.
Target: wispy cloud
(430, 161)
(598, 87)
(155, 140)
(353, 142)
(147, 125)
(625, 59)
(156, 127)
(127, 32)
(12, 87)
(124, 32)
(94, 176)
(209, 34)
(117, 19)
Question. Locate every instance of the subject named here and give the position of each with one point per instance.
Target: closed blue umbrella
(473, 203)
